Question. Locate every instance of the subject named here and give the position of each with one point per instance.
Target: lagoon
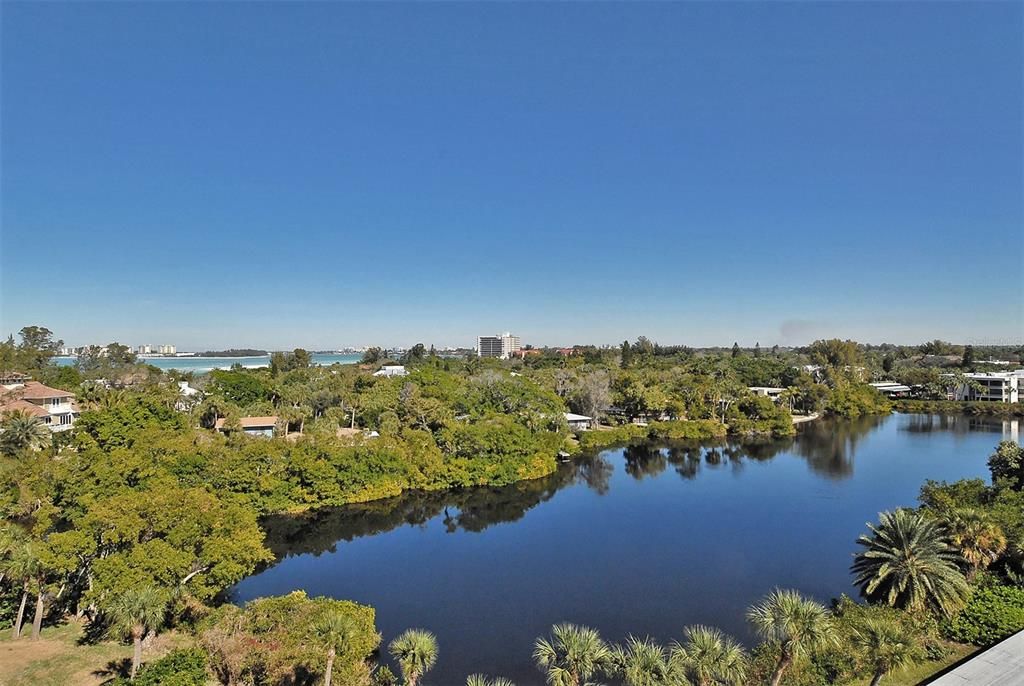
(643, 540)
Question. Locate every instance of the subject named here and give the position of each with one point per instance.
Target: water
(642, 540)
(203, 365)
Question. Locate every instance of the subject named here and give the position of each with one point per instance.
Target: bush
(182, 667)
(991, 615)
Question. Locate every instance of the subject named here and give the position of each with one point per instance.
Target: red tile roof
(24, 406)
(249, 422)
(33, 390)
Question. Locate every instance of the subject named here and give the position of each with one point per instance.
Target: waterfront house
(891, 389)
(251, 426)
(578, 422)
(995, 387)
(54, 407)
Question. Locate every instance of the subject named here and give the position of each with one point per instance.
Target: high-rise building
(500, 345)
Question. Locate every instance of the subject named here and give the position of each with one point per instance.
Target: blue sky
(333, 174)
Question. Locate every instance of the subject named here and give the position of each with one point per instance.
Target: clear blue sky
(332, 174)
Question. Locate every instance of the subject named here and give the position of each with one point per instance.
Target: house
(891, 389)
(578, 422)
(187, 397)
(772, 392)
(389, 370)
(998, 387)
(251, 426)
(54, 407)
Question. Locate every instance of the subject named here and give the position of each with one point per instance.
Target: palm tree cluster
(910, 562)
(792, 626)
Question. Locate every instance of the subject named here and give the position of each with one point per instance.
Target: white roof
(766, 389)
(570, 417)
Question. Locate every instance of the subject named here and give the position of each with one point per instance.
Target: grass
(922, 673)
(58, 658)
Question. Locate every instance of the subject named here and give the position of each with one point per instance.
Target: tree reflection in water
(828, 446)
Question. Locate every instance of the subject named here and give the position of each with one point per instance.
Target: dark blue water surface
(642, 540)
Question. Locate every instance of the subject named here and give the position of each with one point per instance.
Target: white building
(996, 387)
(391, 370)
(144, 350)
(772, 392)
(578, 422)
(167, 350)
(501, 345)
(891, 389)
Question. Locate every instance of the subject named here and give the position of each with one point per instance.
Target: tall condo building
(501, 345)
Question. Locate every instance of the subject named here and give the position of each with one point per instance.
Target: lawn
(920, 674)
(58, 658)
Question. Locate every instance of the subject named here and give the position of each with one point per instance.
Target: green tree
(415, 650)
(967, 361)
(735, 350)
(908, 562)
(20, 430)
(333, 632)
(835, 353)
(794, 625)
(979, 539)
(37, 346)
(481, 680)
(707, 657)
(372, 356)
(1007, 462)
(134, 612)
(626, 358)
(642, 662)
(572, 655)
(22, 566)
(883, 646)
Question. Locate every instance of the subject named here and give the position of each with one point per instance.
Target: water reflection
(828, 447)
(961, 425)
(470, 510)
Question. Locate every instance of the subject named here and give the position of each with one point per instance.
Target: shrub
(182, 667)
(991, 615)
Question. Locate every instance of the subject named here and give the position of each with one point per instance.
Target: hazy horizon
(328, 175)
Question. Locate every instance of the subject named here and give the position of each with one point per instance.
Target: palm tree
(908, 562)
(135, 612)
(798, 625)
(642, 662)
(416, 652)
(884, 646)
(23, 566)
(708, 657)
(481, 680)
(979, 540)
(573, 655)
(333, 631)
(20, 430)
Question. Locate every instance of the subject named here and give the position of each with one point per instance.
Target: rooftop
(249, 422)
(33, 390)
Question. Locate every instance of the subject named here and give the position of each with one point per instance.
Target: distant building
(997, 387)
(251, 426)
(54, 407)
(502, 346)
(167, 350)
(144, 350)
(578, 422)
(772, 392)
(891, 389)
(391, 370)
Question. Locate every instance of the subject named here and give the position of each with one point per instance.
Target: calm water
(203, 365)
(641, 540)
